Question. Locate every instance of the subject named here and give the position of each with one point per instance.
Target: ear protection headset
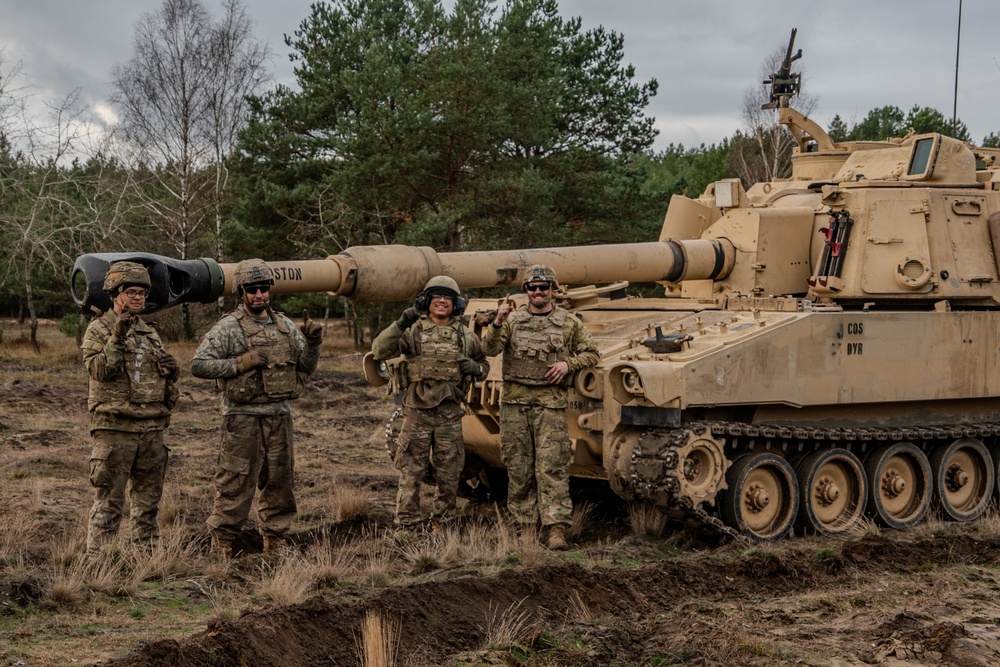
(423, 303)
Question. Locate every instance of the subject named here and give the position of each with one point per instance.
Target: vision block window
(921, 157)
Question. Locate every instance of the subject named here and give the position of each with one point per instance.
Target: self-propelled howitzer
(825, 349)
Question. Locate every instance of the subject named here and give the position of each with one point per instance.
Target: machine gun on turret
(784, 84)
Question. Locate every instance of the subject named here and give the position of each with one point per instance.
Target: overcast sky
(858, 54)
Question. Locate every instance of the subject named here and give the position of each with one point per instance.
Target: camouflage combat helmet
(442, 284)
(123, 274)
(540, 273)
(252, 271)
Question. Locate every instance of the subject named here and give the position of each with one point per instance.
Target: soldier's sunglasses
(263, 288)
(537, 288)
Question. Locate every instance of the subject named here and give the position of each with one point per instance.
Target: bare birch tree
(240, 71)
(183, 100)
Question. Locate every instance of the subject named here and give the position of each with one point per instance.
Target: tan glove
(168, 367)
(121, 325)
(313, 331)
(252, 358)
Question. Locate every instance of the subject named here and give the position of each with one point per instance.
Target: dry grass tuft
(290, 581)
(865, 527)
(422, 555)
(174, 555)
(329, 564)
(111, 571)
(20, 527)
(530, 548)
(503, 629)
(376, 571)
(578, 609)
(67, 588)
(646, 519)
(350, 502)
(581, 517)
(379, 641)
(989, 523)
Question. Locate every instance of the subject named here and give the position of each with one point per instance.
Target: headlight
(632, 382)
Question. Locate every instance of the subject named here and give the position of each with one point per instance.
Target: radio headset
(423, 303)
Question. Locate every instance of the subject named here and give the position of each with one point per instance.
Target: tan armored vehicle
(826, 347)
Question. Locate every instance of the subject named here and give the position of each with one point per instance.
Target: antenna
(958, 48)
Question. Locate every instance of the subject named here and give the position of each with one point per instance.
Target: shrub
(67, 324)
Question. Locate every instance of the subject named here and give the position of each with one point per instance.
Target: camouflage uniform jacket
(580, 352)
(216, 356)
(424, 394)
(118, 371)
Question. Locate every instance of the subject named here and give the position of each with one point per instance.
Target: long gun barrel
(397, 272)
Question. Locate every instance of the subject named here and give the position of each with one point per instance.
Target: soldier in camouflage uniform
(260, 362)
(542, 345)
(442, 355)
(131, 395)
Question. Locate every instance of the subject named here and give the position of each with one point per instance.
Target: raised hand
(503, 310)
(122, 324)
(313, 331)
(407, 318)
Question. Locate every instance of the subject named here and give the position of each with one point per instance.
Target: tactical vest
(535, 344)
(141, 383)
(440, 348)
(278, 381)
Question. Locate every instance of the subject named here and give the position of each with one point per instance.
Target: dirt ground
(925, 597)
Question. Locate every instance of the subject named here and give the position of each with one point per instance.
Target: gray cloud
(859, 54)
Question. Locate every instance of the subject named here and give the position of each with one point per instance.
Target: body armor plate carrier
(279, 380)
(535, 344)
(440, 348)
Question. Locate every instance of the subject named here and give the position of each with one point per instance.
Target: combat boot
(274, 543)
(557, 538)
(222, 546)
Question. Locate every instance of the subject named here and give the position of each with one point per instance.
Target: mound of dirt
(624, 616)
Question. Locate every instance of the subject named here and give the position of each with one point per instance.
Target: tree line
(497, 123)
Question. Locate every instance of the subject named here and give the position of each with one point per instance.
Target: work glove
(313, 331)
(252, 358)
(168, 366)
(121, 326)
(468, 366)
(409, 316)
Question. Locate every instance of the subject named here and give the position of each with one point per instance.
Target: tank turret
(824, 350)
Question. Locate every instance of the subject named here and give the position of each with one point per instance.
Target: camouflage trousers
(536, 449)
(255, 453)
(429, 440)
(126, 463)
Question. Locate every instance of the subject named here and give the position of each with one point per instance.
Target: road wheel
(763, 497)
(833, 491)
(963, 478)
(899, 484)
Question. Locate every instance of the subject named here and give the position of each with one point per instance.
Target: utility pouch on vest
(280, 382)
